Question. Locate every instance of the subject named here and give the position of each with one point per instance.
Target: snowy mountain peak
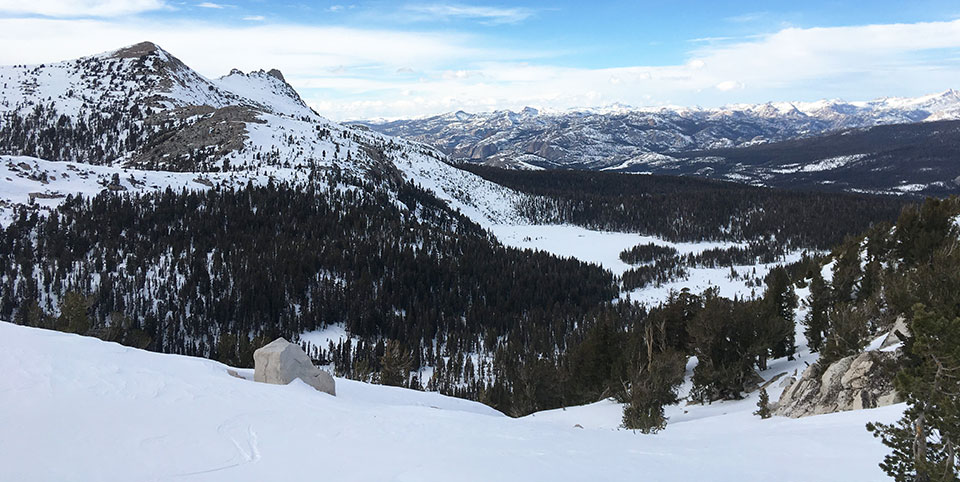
(462, 116)
(277, 74)
(266, 89)
(139, 50)
(140, 108)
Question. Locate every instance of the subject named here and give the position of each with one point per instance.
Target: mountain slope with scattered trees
(690, 209)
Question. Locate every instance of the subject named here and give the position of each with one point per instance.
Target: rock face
(897, 334)
(281, 362)
(852, 383)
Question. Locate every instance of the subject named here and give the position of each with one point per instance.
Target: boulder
(897, 334)
(858, 381)
(281, 362)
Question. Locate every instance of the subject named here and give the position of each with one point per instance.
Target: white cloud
(461, 74)
(214, 49)
(729, 85)
(80, 8)
(358, 73)
(493, 15)
(856, 63)
(254, 18)
(211, 5)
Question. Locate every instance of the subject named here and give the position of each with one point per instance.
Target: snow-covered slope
(140, 111)
(76, 408)
(269, 89)
(142, 75)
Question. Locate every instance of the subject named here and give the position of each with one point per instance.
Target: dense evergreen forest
(693, 209)
(220, 272)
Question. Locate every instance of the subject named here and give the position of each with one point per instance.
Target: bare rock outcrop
(897, 334)
(858, 381)
(281, 362)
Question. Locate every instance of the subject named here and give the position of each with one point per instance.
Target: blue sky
(354, 60)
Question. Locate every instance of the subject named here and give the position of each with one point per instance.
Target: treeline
(658, 264)
(692, 209)
(647, 253)
(93, 138)
(640, 356)
(755, 252)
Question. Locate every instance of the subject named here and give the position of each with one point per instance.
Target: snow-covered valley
(107, 412)
(603, 249)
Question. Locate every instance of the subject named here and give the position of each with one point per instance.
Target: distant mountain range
(717, 142)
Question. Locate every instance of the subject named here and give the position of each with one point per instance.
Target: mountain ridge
(141, 108)
(696, 141)
(601, 138)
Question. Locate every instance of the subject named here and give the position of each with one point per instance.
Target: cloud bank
(351, 73)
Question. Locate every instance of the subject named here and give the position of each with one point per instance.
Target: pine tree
(30, 314)
(73, 313)
(395, 365)
(846, 335)
(781, 301)
(654, 387)
(925, 441)
(763, 405)
(816, 321)
(724, 337)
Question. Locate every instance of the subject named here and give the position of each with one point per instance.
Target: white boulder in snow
(281, 362)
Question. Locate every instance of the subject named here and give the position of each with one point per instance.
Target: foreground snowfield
(76, 408)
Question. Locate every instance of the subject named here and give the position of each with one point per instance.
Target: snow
(83, 409)
(599, 247)
(644, 159)
(700, 279)
(335, 333)
(910, 187)
(21, 176)
(832, 163)
(821, 165)
(69, 87)
(603, 249)
(485, 202)
(286, 141)
(268, 91)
